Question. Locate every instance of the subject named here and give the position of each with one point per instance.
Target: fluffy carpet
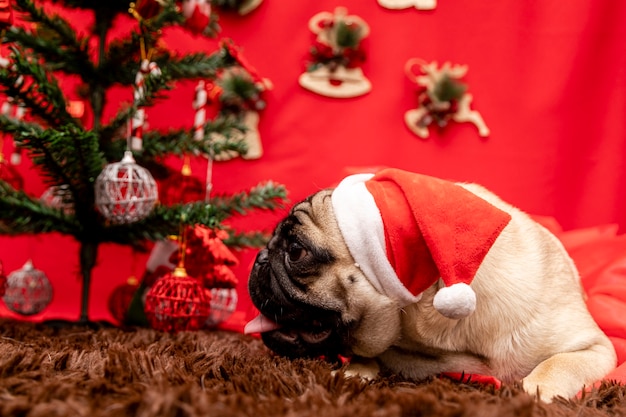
(105, 371)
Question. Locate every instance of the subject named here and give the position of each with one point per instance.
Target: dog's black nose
(263, 257)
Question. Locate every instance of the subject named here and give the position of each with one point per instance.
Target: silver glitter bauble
(28, 290)
(125, 191)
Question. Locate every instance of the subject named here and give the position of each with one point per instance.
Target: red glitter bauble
(177, 302)
(120, 298)
(181, 188)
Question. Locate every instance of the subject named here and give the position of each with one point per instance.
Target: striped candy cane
(139, 119)
(200, 101)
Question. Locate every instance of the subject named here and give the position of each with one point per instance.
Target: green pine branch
(241, 240)
(68, 155)
(30, 84)
(196, 65)
(266, 196)
(23, 214)
(54, 41)
(181, 142)
(162, 222)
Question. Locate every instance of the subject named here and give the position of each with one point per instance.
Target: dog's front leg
(565, 374)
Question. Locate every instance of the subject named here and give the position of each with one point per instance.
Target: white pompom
(456, 301)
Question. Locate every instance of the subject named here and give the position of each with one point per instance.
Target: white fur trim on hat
(456, 301)
(361, 226)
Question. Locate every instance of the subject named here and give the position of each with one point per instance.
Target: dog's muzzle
(289, 323)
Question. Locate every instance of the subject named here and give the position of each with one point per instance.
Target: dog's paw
(539, 389)
(547, 390)
(366, 370)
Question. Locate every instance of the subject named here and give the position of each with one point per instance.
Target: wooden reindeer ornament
(441, 98)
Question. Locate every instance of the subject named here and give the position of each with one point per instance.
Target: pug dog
(410, 274)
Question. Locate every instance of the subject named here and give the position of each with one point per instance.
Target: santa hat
(406, 230)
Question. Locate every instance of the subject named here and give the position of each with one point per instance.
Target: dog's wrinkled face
(306, 283)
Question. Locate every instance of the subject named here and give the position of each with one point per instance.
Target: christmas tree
(73, 155)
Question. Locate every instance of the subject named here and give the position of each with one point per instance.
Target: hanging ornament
(157, 266)
(441, 98)
(145, 9)
(199, 104)
(337, 55)
(125, 192)
(177, 302)
(59, 197)
(28, 290)
(223, 305)
(182, 187)
(198, 17)
(208, 258)
(405, 4)
(120, 298)
(147, 68)
(238, 91)
(245, 110)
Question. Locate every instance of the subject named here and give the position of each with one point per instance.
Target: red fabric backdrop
(547, 76)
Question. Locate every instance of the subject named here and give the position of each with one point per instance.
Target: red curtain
(547, 76)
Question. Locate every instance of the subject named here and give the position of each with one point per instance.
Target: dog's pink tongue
(260, 324)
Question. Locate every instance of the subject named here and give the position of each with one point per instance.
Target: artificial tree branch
(242, 240)
(23, 214)
(265, 196)
(56, 42)
(30, 85)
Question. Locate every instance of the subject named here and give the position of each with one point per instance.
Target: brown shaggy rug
(105, 371)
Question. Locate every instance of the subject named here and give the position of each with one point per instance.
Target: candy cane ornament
(139, 119)
(200, 101)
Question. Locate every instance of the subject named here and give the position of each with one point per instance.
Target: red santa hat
(407, 230)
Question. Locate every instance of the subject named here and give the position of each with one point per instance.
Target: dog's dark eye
(295, 252)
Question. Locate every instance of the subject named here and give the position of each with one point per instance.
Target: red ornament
(197, 15)
(208, 258)
(177, 302)
(9, 174)
(236, 54)
(6, 14)
(147, 8)
(181, 188)
(120, 298)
